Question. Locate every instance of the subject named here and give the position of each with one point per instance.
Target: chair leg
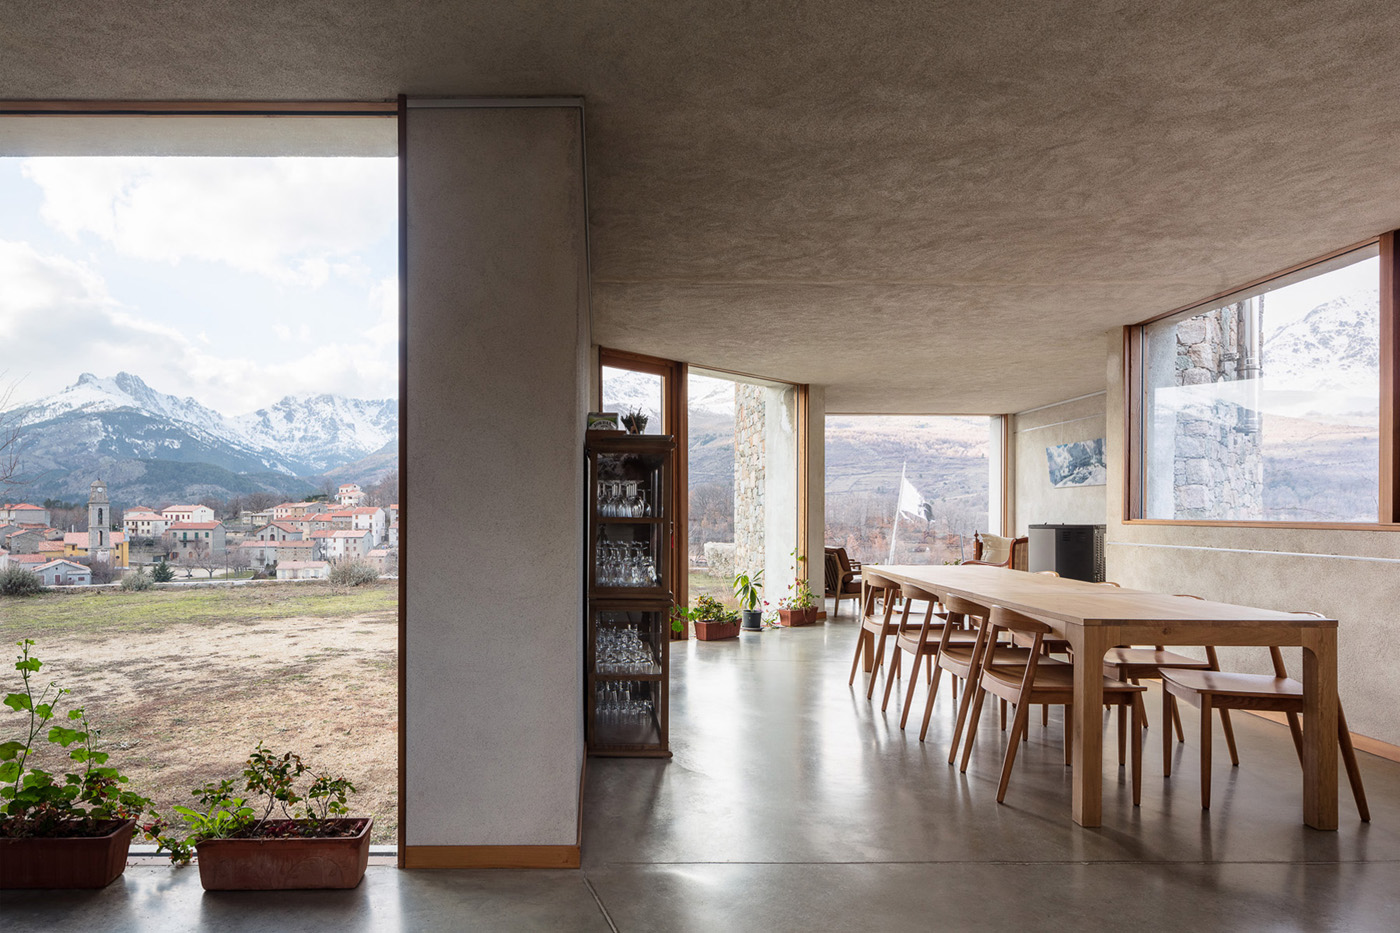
(1166, 733)
(1123, 732)
(1353, 770)
(978, 694)
(879, 662)
(1205, 752)
(1139, 725)
(1176, 720)
(1045, 715)
(1229, 736)
(1003, 715)
(1137, 701)
(890, 678)
(1018, 725)
(932, 692)
(1296, 729)
(964, 701)
(855, 661)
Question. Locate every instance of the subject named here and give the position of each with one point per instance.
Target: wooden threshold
(491, 856)
(1363, 743)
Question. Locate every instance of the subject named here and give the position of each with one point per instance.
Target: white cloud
(58, 320)
(294, 220)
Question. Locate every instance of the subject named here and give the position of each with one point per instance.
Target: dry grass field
(184, 681)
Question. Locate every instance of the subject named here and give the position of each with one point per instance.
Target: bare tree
(236, 560)
(385, 492)
(201, 556)
(9, 438)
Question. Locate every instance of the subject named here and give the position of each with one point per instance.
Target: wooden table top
(1078, 602)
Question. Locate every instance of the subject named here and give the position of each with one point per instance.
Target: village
(290, 541)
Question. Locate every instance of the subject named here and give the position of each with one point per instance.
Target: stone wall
(1218, 469)
(750, 459)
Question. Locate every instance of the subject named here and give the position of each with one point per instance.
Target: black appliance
(1073, 551)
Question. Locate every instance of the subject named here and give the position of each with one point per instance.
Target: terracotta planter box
(795, 617)
(284, 864)
(65, 862)
(714, 631)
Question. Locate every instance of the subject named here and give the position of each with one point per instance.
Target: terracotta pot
(65, 862)
(714, 631)
(283, 864)
(795, 617)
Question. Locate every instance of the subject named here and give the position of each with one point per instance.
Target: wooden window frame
(1134, 375)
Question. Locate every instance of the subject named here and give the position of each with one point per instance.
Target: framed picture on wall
(1078, 463)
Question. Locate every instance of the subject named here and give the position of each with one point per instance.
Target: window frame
(1134, 382)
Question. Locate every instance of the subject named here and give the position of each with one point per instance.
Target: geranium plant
(82, 802)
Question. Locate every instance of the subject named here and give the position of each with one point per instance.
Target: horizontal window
(1265, 405)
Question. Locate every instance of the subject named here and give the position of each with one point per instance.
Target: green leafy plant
(746, 587)
(40, 803)
(19, 581)
(269, 790)
(799, 593)
(162, 572)
(706, 609)
(635, 421)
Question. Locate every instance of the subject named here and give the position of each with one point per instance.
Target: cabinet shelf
(624, 678)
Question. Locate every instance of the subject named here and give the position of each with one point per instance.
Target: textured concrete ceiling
(933, 207)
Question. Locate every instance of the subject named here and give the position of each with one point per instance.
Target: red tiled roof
(51, 545)
(365, 510)
(349, 534)
(293, 545)
(30, 558)
(322, 533)
(195, 526)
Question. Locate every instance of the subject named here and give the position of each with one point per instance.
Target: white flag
(910, 502)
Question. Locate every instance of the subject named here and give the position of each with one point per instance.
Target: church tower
(99, 521)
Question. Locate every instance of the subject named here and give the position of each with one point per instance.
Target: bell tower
(99, 521)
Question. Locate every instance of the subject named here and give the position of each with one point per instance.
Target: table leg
(1090, 642)
(1320, 728)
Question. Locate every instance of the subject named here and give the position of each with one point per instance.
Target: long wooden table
(1095, 618)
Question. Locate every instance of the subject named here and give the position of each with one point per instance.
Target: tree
(385, 492)
(9, 439)
(236, 561)
(101, 570)
(202, 557)
(162, 572)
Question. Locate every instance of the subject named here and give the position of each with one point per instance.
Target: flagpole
(895, 529)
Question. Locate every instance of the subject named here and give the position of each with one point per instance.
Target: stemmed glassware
(622, 651)
(622, 702)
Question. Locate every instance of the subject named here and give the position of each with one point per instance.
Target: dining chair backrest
(965, 607)
(910, 591)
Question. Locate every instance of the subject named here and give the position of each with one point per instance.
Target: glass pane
(742, 470)
(1267, 407)
(907, 489)
(626, 391)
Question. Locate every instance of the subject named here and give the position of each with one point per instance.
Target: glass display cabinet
(628, 592)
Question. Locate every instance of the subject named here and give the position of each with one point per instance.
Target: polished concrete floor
(792, 803)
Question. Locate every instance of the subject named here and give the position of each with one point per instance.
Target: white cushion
(996, 549)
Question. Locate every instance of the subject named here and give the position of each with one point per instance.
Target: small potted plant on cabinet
(72, 832)
(746, 588)
(263, 843)
(712, 620)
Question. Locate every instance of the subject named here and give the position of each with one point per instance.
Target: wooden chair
(923, 641)
(842, 579)
(1018, 556)
(1034, 681)
(1215, 689)
(880, 627)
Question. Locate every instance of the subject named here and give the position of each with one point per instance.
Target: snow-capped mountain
(1326, 364)
(122, 428)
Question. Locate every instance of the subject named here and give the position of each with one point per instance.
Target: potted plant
(746, 591)
(263, 843)
(635, 421)
(712, 620)
(799, 606)
(68, 832)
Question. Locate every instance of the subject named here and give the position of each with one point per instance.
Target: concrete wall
(1034, 501)
(1352, 576)
(497, 342)
(816, 488)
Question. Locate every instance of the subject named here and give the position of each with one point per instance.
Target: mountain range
(148, 445)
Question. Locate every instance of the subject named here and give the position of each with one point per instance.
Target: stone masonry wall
(1218, 466)
(749, 480)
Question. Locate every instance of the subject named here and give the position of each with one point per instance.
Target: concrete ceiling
(927, 207)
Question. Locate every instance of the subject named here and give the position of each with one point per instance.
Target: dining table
(1094, 617)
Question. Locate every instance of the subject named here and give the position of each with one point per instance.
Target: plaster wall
(497, 343)
(1352, 576)
(1034, 500)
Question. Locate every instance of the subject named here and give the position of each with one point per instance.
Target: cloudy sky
(234, 280)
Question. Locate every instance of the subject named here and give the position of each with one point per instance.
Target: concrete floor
(793, 804)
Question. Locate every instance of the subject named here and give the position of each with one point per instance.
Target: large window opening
(911, 489)
(201, 358)
(1266, 404)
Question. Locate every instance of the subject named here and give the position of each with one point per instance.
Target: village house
(63, 572)
(391, 536)
(257, 519)
(78, 544)
(303, 570)
(191, 539)
(371, 519)
(23, 513)
(279, 531)
(187, 513)
(21, 540)
(350, 494)
(347, 545)
(144, 522)
(383, 559)
(293, 510)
